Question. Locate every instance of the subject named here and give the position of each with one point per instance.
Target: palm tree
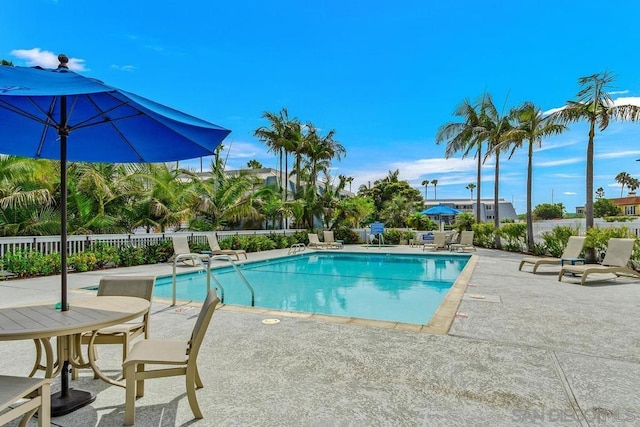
(462, 136)
(529, 125)
(494, 125)
(599, 193)
(633, 185)
(622, 178)
(435, 189)
(426, 183)
(595, 105)
(275, 135)
(471, 187)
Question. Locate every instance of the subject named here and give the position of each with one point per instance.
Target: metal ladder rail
(244, 279)
(191, 257)
(297, 247)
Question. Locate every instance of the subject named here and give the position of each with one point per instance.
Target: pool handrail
(197, 257)
(244, 279)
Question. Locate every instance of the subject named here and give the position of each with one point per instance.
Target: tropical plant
(434, 182)
(464, 221)
(622, 178)
(599, 193)
(530, 126)
(254, 164)
(595, 105)
(493, 127)
(548, 211)
(426, 183)
(605, 207)
(555, 241)
(462, 137)
(471, 187)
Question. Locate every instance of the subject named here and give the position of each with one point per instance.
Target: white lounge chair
(181, 247)
(314, 242)
(466, 242)
(439, 241)
(330, 239)
(216, 250)
(571, 251)
(615, 262)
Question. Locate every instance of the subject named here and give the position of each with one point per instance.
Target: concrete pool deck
(522, 349)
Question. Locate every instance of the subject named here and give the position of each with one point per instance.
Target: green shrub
(484, 234)
(598, 239)
(464, 222)
(157, 252)
(32, 263)
(279, 240)
(106, 255)
(346, 234)
(515, 234)
(392, 236)
(538, 249)
(131, 255)
(81, 262)
(556, 240)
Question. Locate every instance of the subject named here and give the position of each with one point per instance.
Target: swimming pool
(398, 288)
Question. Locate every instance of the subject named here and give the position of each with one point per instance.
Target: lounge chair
(615, 262)
(330, 239)
(571, 251)
(171, 358)
(181, 247)
(466, 242)
(216, 250)
(439, 241)
(314, 242)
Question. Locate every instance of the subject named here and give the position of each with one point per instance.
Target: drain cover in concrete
(481, 297)
(270, 321)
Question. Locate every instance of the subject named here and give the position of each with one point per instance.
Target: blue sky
(383, 76)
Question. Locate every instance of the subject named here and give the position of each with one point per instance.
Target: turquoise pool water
(399, 288)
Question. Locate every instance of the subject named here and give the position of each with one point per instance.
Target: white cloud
(629, 100)
(568, 161)
(617, 154)
(569, 193)
(422, 167)
(245, 150)
(618, 92)
(123, 67)
(46, 59)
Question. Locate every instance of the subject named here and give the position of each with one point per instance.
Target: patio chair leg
(191, 393)
(130, 399)
(199, 383)
(140, 383)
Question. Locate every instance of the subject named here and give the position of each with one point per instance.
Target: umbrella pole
(67, 399)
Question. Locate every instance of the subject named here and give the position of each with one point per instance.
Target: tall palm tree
(595, 105)
(471, 187)
(494, 125)
(275, 135)
(530, 125)
(426, 183)
(622, 178)
(463, 136)
(435, 189)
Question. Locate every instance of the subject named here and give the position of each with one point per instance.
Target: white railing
(80, 243)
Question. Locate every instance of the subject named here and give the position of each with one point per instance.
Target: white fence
(80, 243)
(540, 227)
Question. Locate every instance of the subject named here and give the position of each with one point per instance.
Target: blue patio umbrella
(58, 114)
(441, 210)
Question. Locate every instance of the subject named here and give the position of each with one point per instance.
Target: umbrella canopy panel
(440, 210)
(103, 124)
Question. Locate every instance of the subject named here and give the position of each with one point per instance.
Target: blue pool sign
(377, 228)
